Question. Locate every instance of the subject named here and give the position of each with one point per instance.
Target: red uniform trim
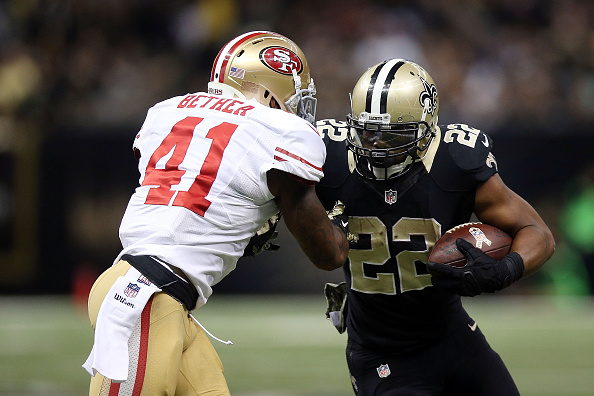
(114, 389)
(227, 55)
(302, 180)
(298, 158)
(145, 322)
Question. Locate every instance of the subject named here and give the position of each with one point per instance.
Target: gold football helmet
(393, 118)
(268, 67)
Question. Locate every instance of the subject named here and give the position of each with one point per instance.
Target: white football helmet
(393, 118)
(268, 67)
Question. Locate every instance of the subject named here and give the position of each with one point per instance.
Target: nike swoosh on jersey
(472, 326)
(486, 142)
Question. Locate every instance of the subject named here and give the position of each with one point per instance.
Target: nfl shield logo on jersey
(383, 370)
(132, 290)
(391, 196)
(144, 279)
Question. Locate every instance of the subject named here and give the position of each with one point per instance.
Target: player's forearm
(536, 245)
(324, 243)
(326, 247)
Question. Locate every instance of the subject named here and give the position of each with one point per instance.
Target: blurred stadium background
(76, 79)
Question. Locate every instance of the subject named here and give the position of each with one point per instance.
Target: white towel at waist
(117, 316)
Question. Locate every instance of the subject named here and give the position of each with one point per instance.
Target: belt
(164, 279)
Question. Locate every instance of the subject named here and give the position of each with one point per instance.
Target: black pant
(461, 363)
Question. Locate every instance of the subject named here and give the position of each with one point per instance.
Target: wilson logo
(281, 60)
(123, 300)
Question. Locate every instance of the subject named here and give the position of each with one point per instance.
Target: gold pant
(173, 355)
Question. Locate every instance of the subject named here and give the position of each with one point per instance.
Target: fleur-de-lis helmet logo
(430, 93)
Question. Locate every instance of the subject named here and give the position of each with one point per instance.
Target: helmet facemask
(387, 150)
(303, 103)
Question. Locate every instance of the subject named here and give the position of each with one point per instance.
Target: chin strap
(297, 80)
(385, 173)
(413, 152)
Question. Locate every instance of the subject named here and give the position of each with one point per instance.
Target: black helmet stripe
(379, 86)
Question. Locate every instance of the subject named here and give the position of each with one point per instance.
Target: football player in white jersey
(214, 168)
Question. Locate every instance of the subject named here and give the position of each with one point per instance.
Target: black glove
(261, 239)
(341, 220)
(482, 274)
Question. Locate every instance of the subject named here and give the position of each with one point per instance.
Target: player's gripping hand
(341, 220)
(481, 274)
(261, 239)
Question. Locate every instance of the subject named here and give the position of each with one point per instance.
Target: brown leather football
(491, 240)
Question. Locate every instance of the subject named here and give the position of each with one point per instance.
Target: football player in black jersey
(404, 181)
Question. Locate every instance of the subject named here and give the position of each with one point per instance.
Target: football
(491, 240)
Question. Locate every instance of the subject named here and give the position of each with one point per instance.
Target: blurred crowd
(506, 66)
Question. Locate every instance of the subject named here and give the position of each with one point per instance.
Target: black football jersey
(391, 304)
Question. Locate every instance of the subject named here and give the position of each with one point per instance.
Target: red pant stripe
(114, 388)
(145, 321)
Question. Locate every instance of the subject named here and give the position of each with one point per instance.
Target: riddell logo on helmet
(281, 60)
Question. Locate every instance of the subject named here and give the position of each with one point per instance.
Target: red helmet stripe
(214, 65)
(220, 65)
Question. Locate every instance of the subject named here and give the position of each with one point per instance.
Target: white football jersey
(203, 191)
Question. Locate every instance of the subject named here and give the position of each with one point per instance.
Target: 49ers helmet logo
(281, 60)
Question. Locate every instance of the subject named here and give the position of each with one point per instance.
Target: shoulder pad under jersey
(337, 166)
(462, 159)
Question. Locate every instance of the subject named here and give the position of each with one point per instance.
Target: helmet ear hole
(273, 103)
